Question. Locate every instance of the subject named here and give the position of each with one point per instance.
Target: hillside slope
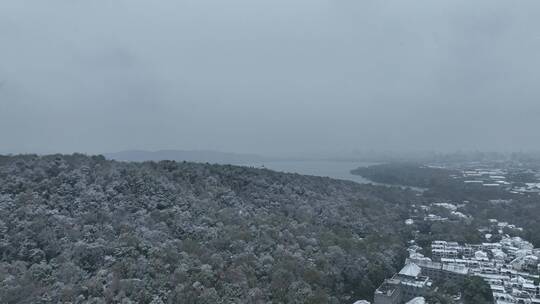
(87, 230)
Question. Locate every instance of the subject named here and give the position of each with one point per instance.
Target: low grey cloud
(269, 76)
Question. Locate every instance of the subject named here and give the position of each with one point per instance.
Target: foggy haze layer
(269, 76)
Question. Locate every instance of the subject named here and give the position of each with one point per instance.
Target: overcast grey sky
(269, 76)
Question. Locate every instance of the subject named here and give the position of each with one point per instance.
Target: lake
(332, 169)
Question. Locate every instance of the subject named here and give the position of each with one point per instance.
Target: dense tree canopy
(476, 291)
(86, 230)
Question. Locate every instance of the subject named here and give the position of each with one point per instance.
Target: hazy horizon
(301, 77)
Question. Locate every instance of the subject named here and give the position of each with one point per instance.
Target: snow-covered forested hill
(83, 229)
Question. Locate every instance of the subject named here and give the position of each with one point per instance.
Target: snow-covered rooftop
(411, 270)
(418, 300)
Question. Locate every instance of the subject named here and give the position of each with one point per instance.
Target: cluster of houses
(510, 267)
(486, 177)
(415, 280)
(432, 213)
(496, 177)
(499, 227)
(527, 188)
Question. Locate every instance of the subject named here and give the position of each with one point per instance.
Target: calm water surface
(332, 169)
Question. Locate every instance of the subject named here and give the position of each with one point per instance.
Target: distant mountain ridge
(201, 156)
